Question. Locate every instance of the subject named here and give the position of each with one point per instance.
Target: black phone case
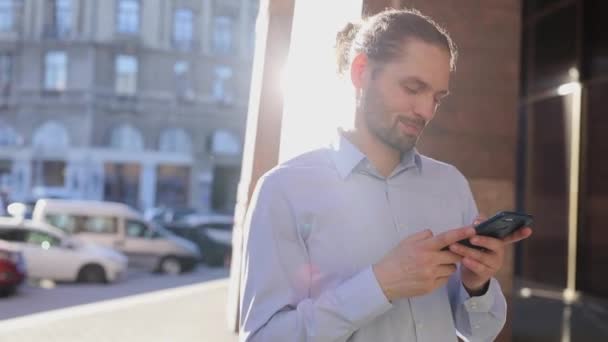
(501, 225)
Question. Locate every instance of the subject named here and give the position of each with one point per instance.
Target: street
(144, 307)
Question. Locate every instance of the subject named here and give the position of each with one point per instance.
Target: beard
(384, 124)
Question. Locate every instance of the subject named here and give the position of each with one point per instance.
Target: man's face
(402, 95)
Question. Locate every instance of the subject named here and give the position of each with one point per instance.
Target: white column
(22, 175)
(206, 18)
(147, 186)
(244, 27)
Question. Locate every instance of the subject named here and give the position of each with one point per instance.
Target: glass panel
(122, 183)
(593, 236)
(55, 65)
(128, 16)
(7, 15)
(598, 26)
(182, 28)
(172, 185)
(546, 197)
(126, 75)
(555, 49)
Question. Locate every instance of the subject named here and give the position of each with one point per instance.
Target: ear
(357, 70)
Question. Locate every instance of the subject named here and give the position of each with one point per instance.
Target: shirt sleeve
(478, 318)
(275, 290)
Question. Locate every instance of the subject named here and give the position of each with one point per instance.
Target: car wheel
(170, 265)
(92, 274)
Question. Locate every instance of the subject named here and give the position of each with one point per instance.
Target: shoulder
(439, 170)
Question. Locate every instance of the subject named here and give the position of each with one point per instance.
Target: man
(358, 242)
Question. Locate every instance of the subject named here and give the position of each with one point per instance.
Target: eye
(411, 90)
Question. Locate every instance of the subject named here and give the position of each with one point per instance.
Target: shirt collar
(347, 156)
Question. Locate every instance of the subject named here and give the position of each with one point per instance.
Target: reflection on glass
(545, 255)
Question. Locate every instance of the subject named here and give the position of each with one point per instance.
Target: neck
(383, 157)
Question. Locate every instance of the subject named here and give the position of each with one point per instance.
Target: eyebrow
(423, 85)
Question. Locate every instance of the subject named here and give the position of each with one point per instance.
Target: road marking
(109, 305)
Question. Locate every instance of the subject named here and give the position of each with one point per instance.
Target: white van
(119, 226)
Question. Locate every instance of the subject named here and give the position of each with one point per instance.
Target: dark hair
(381, 35)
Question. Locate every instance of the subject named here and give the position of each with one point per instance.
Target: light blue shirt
(315, 227)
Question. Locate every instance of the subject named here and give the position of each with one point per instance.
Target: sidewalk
(190, 313)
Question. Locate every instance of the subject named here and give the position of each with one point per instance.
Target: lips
(410, 126)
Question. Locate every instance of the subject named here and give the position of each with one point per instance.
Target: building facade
(142, 102)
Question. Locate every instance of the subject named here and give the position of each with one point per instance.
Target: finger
(488, 243)
(518, 235)
(449, 237)
(480, 219)
(468, 252)
(445, 270)
(447, 257)
(422, 235)
(476, 267)
(439, 282)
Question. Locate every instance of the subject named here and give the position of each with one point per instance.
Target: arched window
(175, 140)
(51, 135)
(126, 137)
(224, 142)
(9, 136)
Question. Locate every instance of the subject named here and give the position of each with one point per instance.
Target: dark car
(211, 233)
(12, 269)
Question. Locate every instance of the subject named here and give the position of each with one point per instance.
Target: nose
(425, 107)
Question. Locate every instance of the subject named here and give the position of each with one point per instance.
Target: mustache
(417, 122)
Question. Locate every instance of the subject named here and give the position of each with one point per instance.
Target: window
(7, 15)
(51, 135)
(221, 84)
(175, 140)
(125, 137)
(183, 86)
(182, 28)
(55, 70)
(6, 68)
(139, 229)
(77, 224)
(62, 17)
(126, 75)
(99, 225)
(225, 143)
(8, 136)
(222, 34)
(65, 222)
(128, 16)
(44, 240)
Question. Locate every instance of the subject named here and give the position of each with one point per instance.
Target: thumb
(421, 235)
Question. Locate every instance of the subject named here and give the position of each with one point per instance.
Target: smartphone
(501, 225)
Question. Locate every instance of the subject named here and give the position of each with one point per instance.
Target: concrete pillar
(263, 123)
(147, 185)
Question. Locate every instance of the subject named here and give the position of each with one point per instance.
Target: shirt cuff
(482, 303)
(362, 297)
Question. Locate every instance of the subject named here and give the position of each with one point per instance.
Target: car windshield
(161, 230)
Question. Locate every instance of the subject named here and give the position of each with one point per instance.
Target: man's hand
(420, 263)
(479, 266)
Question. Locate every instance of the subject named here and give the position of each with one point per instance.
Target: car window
(43, 239)
(64, 222)
(99, 224)
(139, 229)
(15, 235)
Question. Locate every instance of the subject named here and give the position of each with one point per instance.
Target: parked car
(164, 215)
(211, 233)
(49, 253)
(12, 268)
(117, 225)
